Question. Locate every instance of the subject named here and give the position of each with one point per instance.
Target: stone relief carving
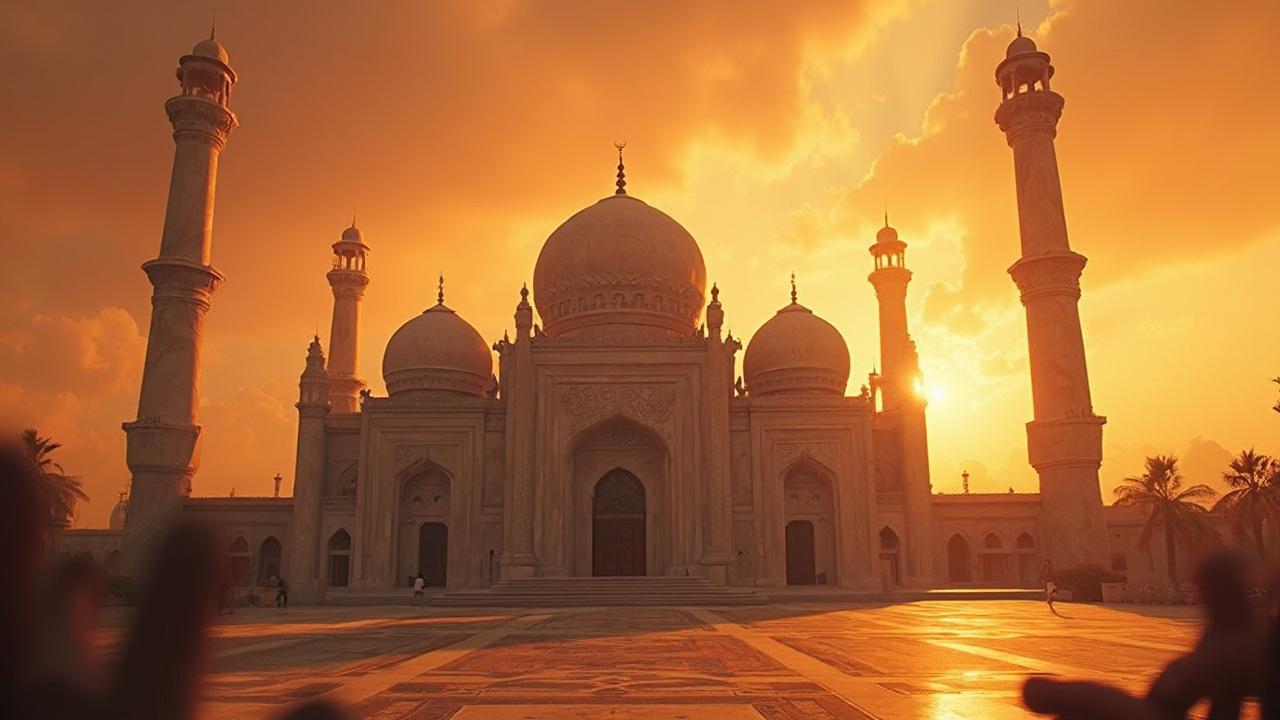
(406, 455)
(620, 291)
(823, 453)
(1030, 112)
(651, 404)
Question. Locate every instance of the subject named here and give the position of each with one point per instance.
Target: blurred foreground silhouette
(48, 669)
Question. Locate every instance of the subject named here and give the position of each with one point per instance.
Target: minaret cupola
(207, 72)
(1024, 68)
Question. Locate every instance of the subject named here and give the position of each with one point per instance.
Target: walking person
(419, 585)
(1050, 585)
(282, 593)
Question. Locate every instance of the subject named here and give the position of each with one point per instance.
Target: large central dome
(620, 268)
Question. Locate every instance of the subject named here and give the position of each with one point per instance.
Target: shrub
(1085, 580)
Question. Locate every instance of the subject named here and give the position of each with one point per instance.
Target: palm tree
(1174, 509)
(60, 490)
(1254, 499)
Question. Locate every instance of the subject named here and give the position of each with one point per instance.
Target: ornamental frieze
(651, 404)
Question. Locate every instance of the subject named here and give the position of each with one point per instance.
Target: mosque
(616, 434)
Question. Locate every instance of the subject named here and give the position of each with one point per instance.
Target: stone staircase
(600, 591)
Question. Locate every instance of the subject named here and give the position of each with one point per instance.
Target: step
(601, 591)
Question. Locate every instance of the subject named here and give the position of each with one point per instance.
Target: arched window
(339, 559)
(994, 560)
(889, 564)
(268, 560)
(958, 568)
(238, 562)
(1026, 542)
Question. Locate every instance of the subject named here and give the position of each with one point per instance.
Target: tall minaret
(1064, 441)
(904, 407)
(890, 278)
(163, 443)
(314, 392)
(348, 280)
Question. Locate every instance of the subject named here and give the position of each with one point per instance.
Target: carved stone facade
(468, 477)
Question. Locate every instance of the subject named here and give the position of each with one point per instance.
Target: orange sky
(775, 132)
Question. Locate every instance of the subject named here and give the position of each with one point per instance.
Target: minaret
(890, 278)
(1064, 441)
(163, 443)
(348, 280)
(518, 559)
(314, 392)
(904, 406)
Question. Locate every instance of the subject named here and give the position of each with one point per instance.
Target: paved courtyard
(927, 659)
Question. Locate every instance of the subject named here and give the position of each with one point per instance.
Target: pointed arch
(269, 555)
(890, 556)
(994, 559)
(339, 566)
(808, 492)
(239, 567)
(959, 569)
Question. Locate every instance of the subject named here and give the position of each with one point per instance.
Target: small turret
(313, 386)
(715, 313)
(524, 315)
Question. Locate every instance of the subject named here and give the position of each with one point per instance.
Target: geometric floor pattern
(781, 662)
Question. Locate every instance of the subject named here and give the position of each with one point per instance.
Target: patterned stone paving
(781, 662)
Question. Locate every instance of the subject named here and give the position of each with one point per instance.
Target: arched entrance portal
(617, 525)
(801, 563)
(810, 528)
(433, 553)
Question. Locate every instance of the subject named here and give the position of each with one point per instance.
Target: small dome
(353, 234)
(796, 352)
(620, 267)
(1020, 45)
(886, 234)
(211, 48)
(437, 351)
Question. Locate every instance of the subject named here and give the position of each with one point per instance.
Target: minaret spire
(1064, 438)
(348, 279)
(622, 171)
(162, 444)
(793, 288)
(440, 290)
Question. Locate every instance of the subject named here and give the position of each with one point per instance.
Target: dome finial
(213, 25)
(440, 290)
(353, 216)
(1018, 14)
(622, 171)
(886, 214)
(793, 288)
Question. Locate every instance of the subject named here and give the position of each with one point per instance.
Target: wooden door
(800, 556)
(433, 553)
(618, 525)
